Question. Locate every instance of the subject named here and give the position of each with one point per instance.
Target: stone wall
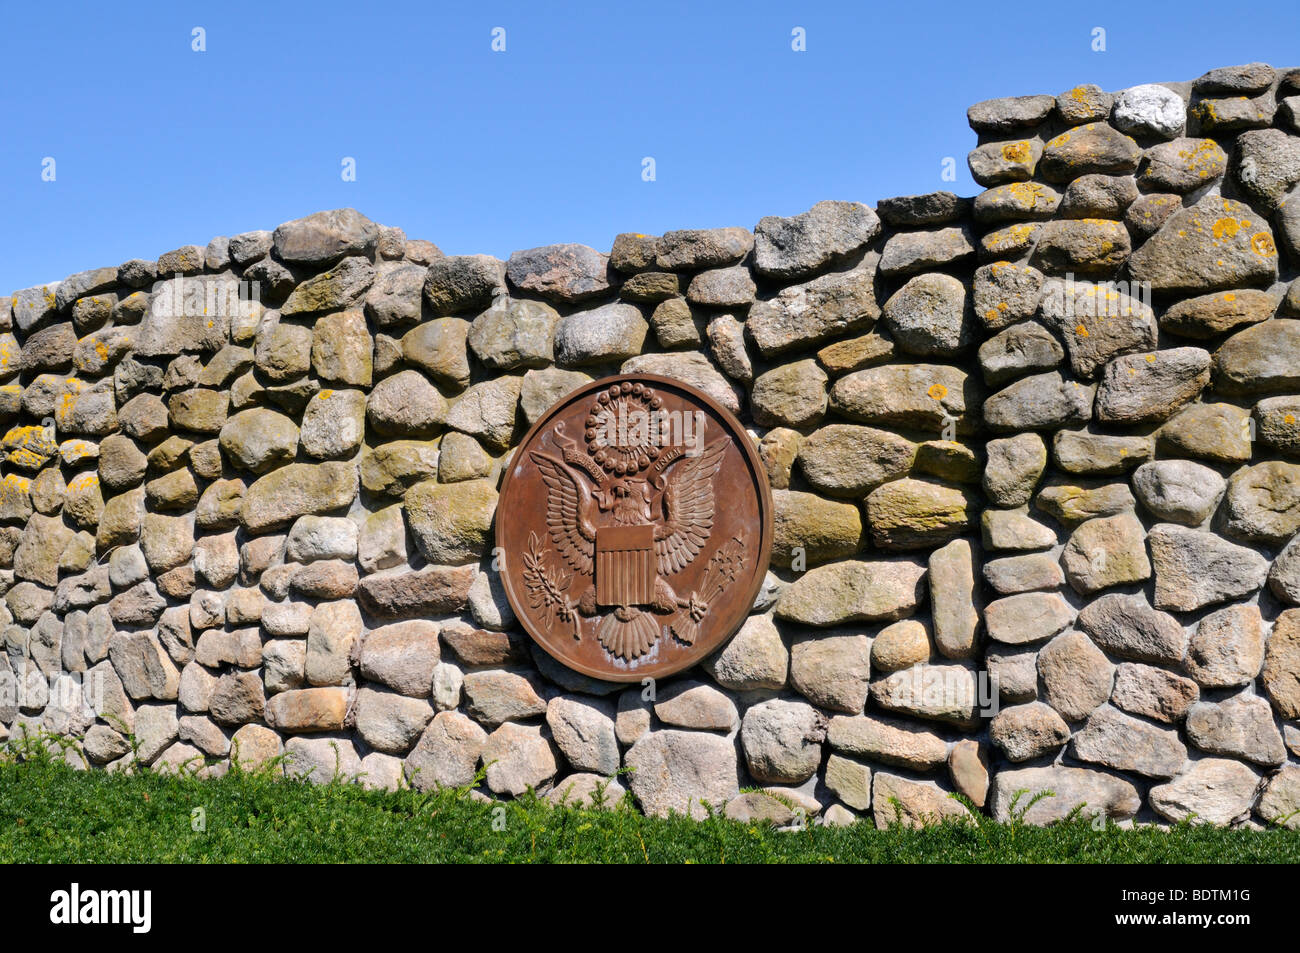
(1035, 459)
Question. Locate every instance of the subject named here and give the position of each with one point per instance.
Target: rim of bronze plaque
(635, 527)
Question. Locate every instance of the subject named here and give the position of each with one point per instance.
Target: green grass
(51, 813)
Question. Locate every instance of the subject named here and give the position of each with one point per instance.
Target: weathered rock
(1076, 676)
(900, 645)
(1043, 401)
(1070, 505)
(1178, 491)
(1093, 148)
(1240, 250)
(755, 658)
(1195, 568)
(1106, 552)
(565, 273)
(612, 332)
(891, 741)
(1150, 110)
(952, 595)
(1014, 467)
(897, 800)
(299, 489)
(402, 594)
(1091, 792)
(1012, 161)
(1241, 727)
(849, 780)
(1127, 626)
(1023, 732)
(833, 671)
(459, 283)
(447, 754)
(1280, 802)
(791, 395)
(307, 710)
(1116, 740)
(906, 253)
(917, 396)
(583, 729)
(852, 591)
(674, 771)
(808, 529)
(390, 722)
(1256, 360)
(825, 307)
(1211, 791)
(945, 693)
(1139, 388)
(1281, 674)
(691, 704)
(1262, 504)
(334, 630)
(1217, 432)
(912, 514)
(487, 411)
(788, 249)
(514, 333)
(1018, 350)
(927, 315)
(1153, 692)
(782, 741)
(1026, 618)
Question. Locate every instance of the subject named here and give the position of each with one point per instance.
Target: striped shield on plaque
(625, 565)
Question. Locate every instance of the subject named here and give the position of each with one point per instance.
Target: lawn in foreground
(51, 813)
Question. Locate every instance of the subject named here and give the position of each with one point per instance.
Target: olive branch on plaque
(723, 569)
(546, 587)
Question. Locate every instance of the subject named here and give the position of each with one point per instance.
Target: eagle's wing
(688, 509)
(568, 502)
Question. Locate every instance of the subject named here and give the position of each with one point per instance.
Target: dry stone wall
(1035, 459)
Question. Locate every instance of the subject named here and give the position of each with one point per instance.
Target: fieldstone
(1241, 727)
(849, 460)
(324, 237)
(832, 671)
(952, 595)
(1216, 432)
(1262, 504)
(927, 315)
(1178, 258)
(930, 208)
(583, 729)
(1084, 246)
(219, 506)
(1267, 165)
(1127, 626)
(612, 332)
(1182, 165)
(102, 745)
(325, 760)
(1071, 505)
(487, 411)
(1093, 148)
(945, 693)
(564, 273)
(782, 741)
(1284, 577)
(440, 349)
(37, 556)
(1145, 216)
(307, 710)
(283, 352)
(913, 514)
(1014, 574)
(389, 722)
(827, 306)
(402, 594)
(1211, 791)
(1139, 388)
(1106, 552)
(727, 340)
(1014, 671)
(1256, 360)
(393, 301)
(916, 396)
(284, 665)
(853, 591)
(493, 697)
(850, 781)
(1027, 617)
(1014, 467)
(722, 288)
(968, 768)
(690, 704)
(1018, 350)
(451, 523)
(1077, 451)
(460, 457)
(900, 645)
(1227, 649)
(331, 290)
(1091, 793)
(1099, 196)
(788, 249)
(651, 287)
(755, 658)
(518, 758)
(1195, 569)
(892, 741)
(897, 800)
(1002, 115)
(696, 369)
(588, 792)
(677, 324)
(299, 489)
(1016, 201)
(808, 529)
(1043, 401)
(1280, 802)
(906, 253)
(1011, 161)
(488, 604)
(514, 333)
(696, 249)
(237, 699)
(1024, 732)
(675, 771)
(1124, 743)
(259, 440)
(156, 727)
(1178, 491)
(1076, 675)
(1150, 110)
(1277, 421)
(1282, 665)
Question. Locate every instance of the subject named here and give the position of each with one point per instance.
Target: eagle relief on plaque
(634, 528)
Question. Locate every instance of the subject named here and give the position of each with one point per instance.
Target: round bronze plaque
(634, 526)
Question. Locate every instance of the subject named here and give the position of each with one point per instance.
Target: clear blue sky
(158, 146)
